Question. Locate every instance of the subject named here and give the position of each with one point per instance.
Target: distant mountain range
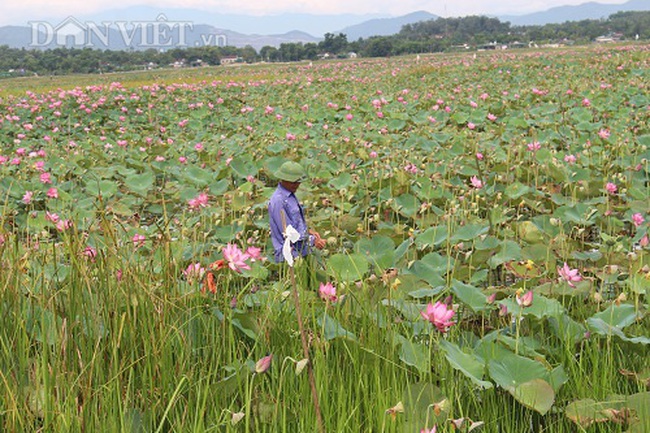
(315, 25)
(384, 26)
(145, 27)
(72, 33)
(585, 11)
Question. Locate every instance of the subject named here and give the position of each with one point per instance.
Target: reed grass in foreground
(115, 342)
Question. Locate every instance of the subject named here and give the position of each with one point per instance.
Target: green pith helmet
(291, 172)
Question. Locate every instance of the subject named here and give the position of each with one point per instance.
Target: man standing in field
(285, 210)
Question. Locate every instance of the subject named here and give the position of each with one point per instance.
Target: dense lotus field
(487, 263)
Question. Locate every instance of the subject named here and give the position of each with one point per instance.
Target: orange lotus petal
(219, 264)
(209, 283)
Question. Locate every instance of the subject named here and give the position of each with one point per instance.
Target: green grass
(145, 354)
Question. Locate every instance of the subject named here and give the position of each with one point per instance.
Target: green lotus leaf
(414, 354)
(536, 394)
(471, 296)
(198, 176)
(332, 329)
(432, 237)
(140, 183)
(469, 232)
(509, 251)
(407, 204)
(466, 363)
(348, 267)
(379, 250)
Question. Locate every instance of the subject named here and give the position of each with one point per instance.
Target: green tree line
(439, 35)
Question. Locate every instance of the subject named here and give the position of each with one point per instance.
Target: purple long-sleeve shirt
(284, 202)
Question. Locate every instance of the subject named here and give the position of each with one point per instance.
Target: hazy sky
(20, 11)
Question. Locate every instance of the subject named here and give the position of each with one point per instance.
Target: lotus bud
(300, 365)
(236, 417)
(263, 365)
(441, 406)
(457, 423)
(398, 408)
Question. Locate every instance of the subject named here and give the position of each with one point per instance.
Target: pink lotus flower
(411, 168)
(471, 125)
(235, 257)
(327, 292)
(90, 253)
(194, 272)
(433, 429)
(52, 193)
(534, 146)
(138, 240)
(611, 187)
(439, 315)
(46, 178)
(199, 201)
(476, 182)
(27, 197)
(637, 219)
(569, 275)
(479, 156)
(254, 253)
(525, 300)
(571, 159)
(63, 225)
(52, 217)
(604, 134)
